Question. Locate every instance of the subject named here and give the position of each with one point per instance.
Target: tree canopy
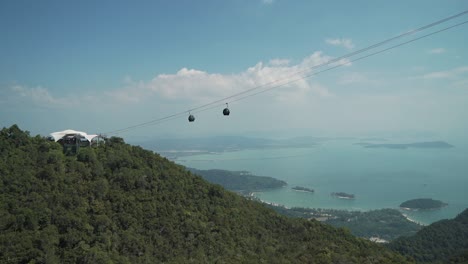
(118, 203)
(441, 242)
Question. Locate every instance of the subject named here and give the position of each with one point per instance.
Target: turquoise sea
(379, 177)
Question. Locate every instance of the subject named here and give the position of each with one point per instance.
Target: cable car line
(337, 59)
(174, 116)
(204, 107)
(337, 66)
(354, 60)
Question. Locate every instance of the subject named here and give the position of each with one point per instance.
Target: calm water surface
(379, 177)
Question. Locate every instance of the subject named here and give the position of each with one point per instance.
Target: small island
(302, 189)
(422, 204)
(343, 195)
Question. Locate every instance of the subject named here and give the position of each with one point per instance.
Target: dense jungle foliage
(121, 204)
(445, 241)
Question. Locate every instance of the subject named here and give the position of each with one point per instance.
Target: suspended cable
(354, 60)
(307, 69)
(336, 59)
(336, 66)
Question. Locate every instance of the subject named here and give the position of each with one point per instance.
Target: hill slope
(438, 242)
(122, 204)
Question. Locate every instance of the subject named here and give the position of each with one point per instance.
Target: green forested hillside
(121, 204)
(445, 241)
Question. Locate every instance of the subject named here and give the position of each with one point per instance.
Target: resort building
(71, 137)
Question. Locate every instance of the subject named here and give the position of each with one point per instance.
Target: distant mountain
(429, 144)
(190, 146)
(239, 180)
(118, 203)
(445, 241)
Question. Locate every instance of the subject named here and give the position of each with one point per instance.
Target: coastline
(367, 193)
(412, 220)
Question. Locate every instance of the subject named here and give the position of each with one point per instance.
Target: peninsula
(239, 180)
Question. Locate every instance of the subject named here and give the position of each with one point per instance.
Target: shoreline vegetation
(380, 226)
(260, 183)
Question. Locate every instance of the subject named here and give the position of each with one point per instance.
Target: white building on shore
(71, 137)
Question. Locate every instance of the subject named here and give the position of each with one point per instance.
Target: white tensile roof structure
(58, 135)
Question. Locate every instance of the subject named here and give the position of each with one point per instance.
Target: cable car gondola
(191, 118)
(226, 111)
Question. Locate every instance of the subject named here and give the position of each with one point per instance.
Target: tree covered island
(422, 203)
(302, 189)
(343, 195)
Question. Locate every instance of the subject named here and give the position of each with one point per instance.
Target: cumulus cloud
(201, 86)
(192, 86)
(437, 51)
(341, 42)
(279, 62)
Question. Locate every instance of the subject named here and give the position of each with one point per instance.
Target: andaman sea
(378, 177)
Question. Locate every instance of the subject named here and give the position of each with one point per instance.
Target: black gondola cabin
(191, 118)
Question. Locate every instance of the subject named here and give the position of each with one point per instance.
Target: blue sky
(99, 66)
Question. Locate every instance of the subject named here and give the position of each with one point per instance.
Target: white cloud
(449, 74)
(39, 96)
(341, 42)
(267, 2)
(192, 87)
(18, 95)
(201, 87)
(279, 62)
(437, 51)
